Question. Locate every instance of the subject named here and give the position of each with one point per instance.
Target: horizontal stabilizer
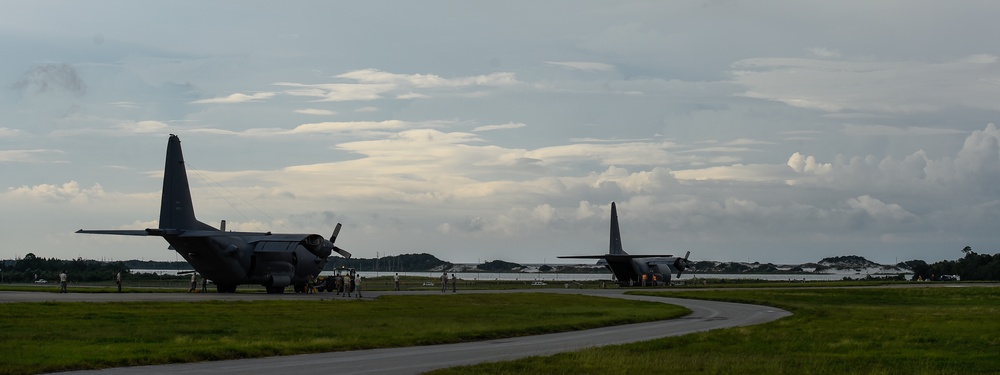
(219, 233)
(133, 232)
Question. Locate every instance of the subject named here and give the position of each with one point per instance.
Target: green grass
(414, 283)
(832, 331)
(42, 337)
(381, 283)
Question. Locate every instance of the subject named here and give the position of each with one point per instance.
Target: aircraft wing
(614, 256)
(123, 232)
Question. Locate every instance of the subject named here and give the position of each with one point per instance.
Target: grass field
(381, 283)
(41, 337)
(832, 331)
(415, 283)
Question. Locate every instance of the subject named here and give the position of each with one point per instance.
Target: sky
(763, 131)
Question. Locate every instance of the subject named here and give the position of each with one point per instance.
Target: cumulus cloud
(124, 104)
(69, 191)
(9, 133)
(585, 210)
(885, 130)
(456, 177)
(800, 135)
(874, 117)
(375, 76)
(236, 98)
(509, 125)
(23, 156)
(583, 65)
(824, 52)
(337, 92)
(627, 153)
(872, 86)
(412, 95)
(366, 128)
(881, 211)
(315, 112)
(978, 161)
(807, 164)
(337, 127)
(737, 172)
(975, 167)
(372, 84)
(144, 127)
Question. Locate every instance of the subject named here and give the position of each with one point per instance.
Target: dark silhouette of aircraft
(229, 259)
(629, 269)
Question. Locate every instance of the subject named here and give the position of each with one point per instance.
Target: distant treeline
(971, 267)
(31, 268)
(156, 265)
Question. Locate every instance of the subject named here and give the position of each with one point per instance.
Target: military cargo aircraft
(629, 269)
(229, 259)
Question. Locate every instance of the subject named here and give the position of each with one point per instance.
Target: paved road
(707, 315)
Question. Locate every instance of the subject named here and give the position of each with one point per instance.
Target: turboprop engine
(681, 264)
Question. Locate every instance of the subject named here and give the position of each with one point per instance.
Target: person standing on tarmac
(194, 283)
(444, 282)
(395, 280)
(454, 282)
(357, 284)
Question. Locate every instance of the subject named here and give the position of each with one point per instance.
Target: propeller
(336, 231)
(681, 264)
(333, 238)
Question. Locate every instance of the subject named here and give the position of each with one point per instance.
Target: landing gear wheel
(225, 288)
(275, 289)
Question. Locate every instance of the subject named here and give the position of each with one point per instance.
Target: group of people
(444, 282)
(194, 284)
(350, 286)
(64, 279)
(345, 285)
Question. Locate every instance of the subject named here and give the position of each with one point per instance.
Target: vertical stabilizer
(616, 235)
(176, 210)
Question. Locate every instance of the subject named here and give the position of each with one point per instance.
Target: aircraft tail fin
(176, 209)
(615, 247)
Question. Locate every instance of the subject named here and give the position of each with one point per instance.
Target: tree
(972, 266)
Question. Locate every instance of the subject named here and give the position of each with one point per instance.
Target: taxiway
(706, 315)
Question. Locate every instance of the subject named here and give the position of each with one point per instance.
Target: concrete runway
(707, 315)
